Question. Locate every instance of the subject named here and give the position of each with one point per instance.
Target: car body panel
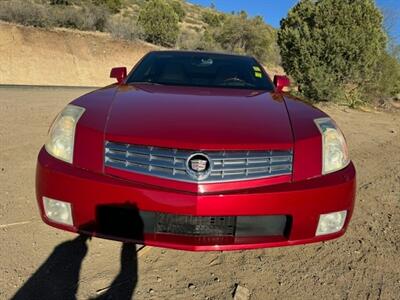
(199, 118)
(89, 136)
(112, 112)
(308, 140)
(302, 201)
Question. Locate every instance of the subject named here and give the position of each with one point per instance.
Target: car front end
(194, 169)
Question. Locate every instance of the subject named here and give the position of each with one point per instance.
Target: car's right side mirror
(118, 73)
(280, 82)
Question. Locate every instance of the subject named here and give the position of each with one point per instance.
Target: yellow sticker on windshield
(258, 74)
(256, 68)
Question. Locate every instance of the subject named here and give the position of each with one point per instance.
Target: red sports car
(196, 151)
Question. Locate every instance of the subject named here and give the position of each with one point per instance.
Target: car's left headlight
(335, 155)
(60, 143)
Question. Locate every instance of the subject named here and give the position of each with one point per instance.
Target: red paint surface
(118, 73)
(198, 119)
(280, 82)
(304, 201)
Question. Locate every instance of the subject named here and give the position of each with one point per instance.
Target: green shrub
(95, 17)
(188, 39)
(390, 77)
(386, 83)
(395, 52)
(331, 48)
(159, 23)
(123, 28)
(67, 17)
(212, 18)
(193, 40)
(24, 13)
(60, 2)
(89, 17)
(207, 42)
(178, 9)
(251, 36)
(113, 5)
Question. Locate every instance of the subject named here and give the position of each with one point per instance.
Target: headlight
(60, 143)
(335, 154)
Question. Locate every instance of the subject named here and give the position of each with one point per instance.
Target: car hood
(199, 118)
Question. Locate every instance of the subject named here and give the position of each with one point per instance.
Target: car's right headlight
(60, 143)
(335, 155)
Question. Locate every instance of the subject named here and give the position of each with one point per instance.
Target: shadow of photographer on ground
(58, 276)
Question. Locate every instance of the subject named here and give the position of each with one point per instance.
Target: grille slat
(248, 154)
(171, 163)
(239, 168)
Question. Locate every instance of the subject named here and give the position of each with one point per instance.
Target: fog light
(331, 223)
(58, 211)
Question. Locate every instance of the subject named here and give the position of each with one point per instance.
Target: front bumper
(301, 203)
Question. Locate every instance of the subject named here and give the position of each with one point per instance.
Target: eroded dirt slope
(33, 56)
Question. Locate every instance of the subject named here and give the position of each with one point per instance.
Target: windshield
(201, 69)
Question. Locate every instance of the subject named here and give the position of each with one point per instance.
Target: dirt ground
(40, 262)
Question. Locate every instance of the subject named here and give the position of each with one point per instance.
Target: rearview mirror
(280, 82)
(118, 73)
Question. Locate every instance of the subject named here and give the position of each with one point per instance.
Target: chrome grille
(171, 163)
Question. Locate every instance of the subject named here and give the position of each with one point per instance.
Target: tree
(159, 23)
(331, 47)
(252, 36)
(234, 33)
(387, 79)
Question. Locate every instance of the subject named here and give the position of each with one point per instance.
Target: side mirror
(118, 73)
(280, 82)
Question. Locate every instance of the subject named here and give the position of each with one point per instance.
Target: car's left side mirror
(118, 73)
(280, 82)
